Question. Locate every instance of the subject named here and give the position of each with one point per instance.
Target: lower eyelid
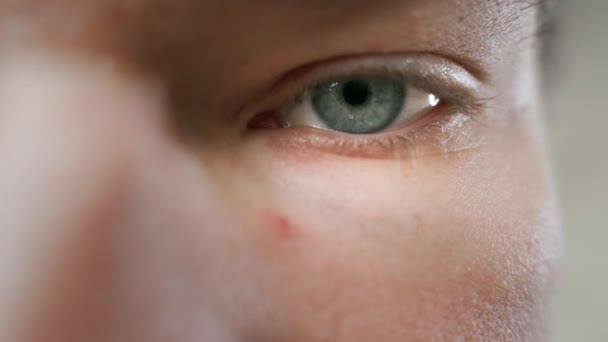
(444, 133)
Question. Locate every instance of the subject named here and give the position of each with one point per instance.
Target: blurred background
(578, 124)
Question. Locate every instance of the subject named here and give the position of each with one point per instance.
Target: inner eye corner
(264, 120)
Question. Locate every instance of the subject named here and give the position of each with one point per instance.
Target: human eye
(375, 107)
(360, 104)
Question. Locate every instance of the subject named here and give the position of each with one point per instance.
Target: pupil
(355, 92)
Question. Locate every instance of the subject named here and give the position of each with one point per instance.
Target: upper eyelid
(441, 76)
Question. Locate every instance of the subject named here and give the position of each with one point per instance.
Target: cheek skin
(455, 245)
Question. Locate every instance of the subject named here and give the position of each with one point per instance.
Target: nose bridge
(62, 138)
(99, 206)
(64, 144)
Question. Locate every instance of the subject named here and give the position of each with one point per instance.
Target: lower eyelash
(450, 131)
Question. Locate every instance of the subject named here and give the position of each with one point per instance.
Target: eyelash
(461, 96)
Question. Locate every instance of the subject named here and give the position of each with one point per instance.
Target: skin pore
(152, 193)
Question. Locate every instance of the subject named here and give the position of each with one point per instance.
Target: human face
(185, 171)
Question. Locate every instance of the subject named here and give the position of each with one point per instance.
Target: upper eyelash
(444, 78)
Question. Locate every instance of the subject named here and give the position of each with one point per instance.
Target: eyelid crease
(448, 80)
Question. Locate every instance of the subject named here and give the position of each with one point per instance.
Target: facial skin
(142, 200)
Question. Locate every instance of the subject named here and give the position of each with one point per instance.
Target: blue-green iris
(360, 105)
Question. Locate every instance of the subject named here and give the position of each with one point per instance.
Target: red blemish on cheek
(283, 229)
(418, 222)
